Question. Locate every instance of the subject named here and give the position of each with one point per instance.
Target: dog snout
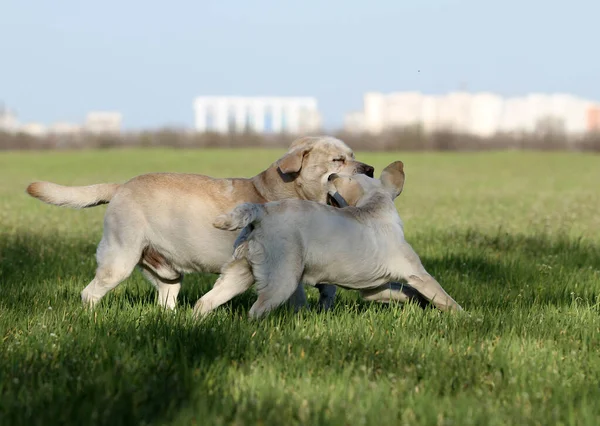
(332, 177)
(365, 169)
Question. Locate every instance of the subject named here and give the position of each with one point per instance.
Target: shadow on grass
(496, 270)
(141, 368)
(120, 373)
(538, 268)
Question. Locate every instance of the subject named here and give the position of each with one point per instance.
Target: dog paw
(89, 301)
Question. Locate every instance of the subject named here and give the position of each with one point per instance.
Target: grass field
(513, 237)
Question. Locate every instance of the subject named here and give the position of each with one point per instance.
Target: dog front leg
(411, 269)
(433, 291)
(394, 292)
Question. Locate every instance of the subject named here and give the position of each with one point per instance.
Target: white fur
(361, 247)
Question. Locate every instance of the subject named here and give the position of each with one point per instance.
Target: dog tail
(240, 217)
(77, 197)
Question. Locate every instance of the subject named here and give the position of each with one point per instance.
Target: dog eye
(338, 159)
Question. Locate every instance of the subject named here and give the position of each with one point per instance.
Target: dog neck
(375, 205)
(273, 185)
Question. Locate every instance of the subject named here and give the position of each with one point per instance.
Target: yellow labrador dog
(163, 221)
(360, 247)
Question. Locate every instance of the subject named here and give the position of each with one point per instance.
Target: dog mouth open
(336, 200)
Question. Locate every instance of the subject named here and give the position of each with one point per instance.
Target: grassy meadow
(514, 237)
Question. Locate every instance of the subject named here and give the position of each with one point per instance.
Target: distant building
(33, 129)
(593, 119)
(8, 120)
(256, 114)
(481, 114)
(103, 122)
(354, 122)
(62, 128)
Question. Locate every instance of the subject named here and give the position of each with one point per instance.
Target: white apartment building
(8, 120)
(64, 128)
(102, 122)
(34, 129)
(95, 122)
(481, 114)
(225, 114)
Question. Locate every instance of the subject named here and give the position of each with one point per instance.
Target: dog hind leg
(326, 295)
(298, 298)
(115, 264)
(276, 282)
(161, 274)
(273, 296)
(235, 279)
(168, 289)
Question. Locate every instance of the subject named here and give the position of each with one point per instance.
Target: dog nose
(332, 177)
(369, 170)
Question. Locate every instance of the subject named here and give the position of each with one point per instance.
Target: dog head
(310, 161)
(356, 190)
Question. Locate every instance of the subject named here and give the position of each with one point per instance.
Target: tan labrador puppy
(360, 247)
(163, 221)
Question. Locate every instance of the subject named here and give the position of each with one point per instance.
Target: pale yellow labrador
(360, 247)
(163, 221)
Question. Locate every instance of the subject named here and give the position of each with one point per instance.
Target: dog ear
(392, 178)
(292, 161)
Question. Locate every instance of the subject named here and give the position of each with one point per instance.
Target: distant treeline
(397, 140)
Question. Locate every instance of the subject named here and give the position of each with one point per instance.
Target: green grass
(513, 237)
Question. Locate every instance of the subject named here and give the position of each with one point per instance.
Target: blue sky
(149, 59)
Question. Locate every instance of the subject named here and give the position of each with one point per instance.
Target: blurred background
(512, 233)
(382, 75)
